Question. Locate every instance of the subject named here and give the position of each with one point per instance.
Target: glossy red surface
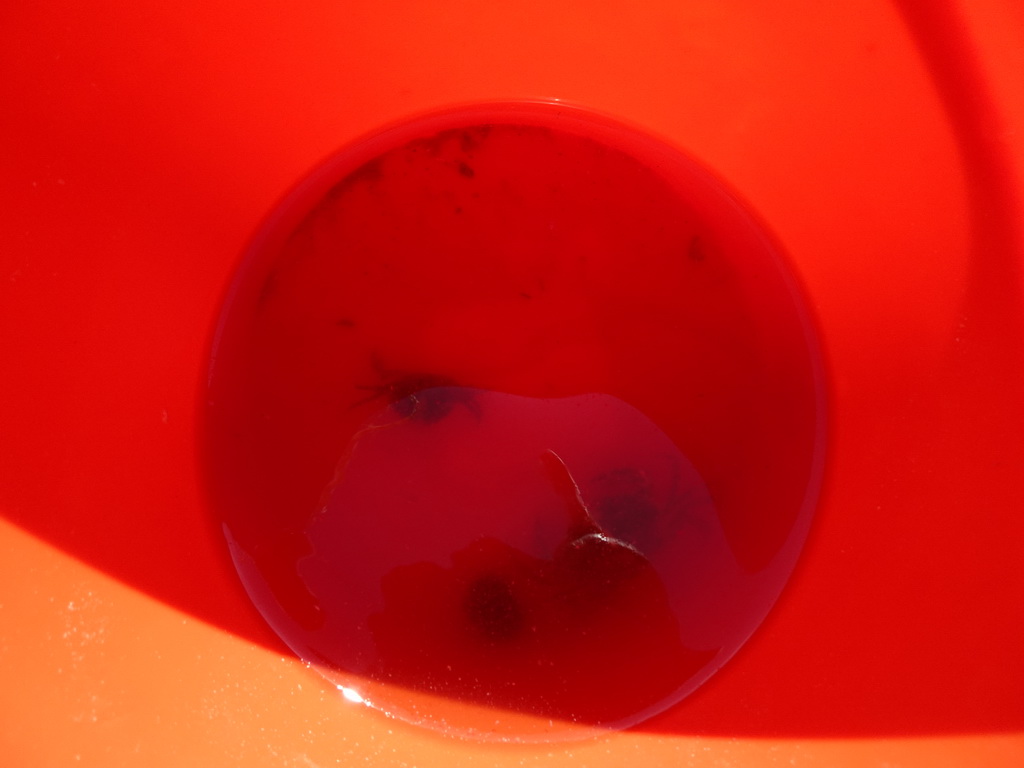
(145, 143)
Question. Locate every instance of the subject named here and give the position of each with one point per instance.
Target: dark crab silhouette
(426, 397)
(587, 635)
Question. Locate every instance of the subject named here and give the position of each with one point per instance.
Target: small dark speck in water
(423, 396)
(696, 250)
(493, 610)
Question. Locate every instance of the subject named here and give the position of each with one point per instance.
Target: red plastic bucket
(144, 146)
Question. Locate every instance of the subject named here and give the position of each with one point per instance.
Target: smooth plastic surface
(143, 145)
